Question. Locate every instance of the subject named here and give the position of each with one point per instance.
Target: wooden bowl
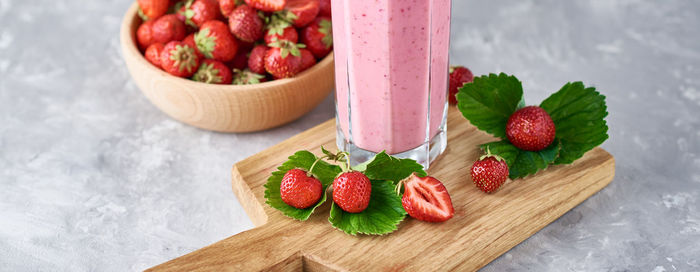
(225, 108)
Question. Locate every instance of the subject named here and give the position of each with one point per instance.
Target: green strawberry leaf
(489, 101)
(302, 159)
(205, 43)
(522, 163)
(382, 216)
(578, 114)
(385, 167)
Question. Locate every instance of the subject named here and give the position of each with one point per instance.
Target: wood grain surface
(484, 226)
(225, 108)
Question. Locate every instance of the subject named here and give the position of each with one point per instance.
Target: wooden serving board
(484, 226)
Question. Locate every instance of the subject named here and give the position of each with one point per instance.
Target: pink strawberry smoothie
(391, 71)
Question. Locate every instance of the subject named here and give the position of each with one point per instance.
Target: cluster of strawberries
(234, 41)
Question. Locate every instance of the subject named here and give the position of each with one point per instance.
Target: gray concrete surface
(94, 178)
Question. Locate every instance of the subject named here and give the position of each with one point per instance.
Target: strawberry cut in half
(267, 5)
(301, 12)
(426, 199)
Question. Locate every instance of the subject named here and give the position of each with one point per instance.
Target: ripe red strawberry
(215, 41)
(283, 59)
(267, 5)
(240, 61)
(245, 24)
(245, 77)
(153, 53)
(144, 34)
(213, 72)
(287, 33)
(458, 76)
(489, 173)
(197, 12)
(530, 128)
(300, 190)
(256, 60)
(153, 9)
(168, 28)
(227, 6)
(179, 59)
(351, 191)
(307, 60)
(426, 199)
(189, 40)
(301, 12)
(318, 37)
(324, 8)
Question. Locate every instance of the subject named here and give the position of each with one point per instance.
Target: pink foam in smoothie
(391, 61)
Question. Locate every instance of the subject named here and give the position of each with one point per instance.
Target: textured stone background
(94, 178)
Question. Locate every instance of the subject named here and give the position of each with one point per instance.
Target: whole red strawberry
(324, 8)
(213, 72)
(215, 41)
(307, 60)
(283, 59)
(287, 33)
(352, 191)
(300, 190)
(301, 12)
(458, 76)
(245, 24)
(153, 9)
(144, 34)
(530, 128)
(189, 40)
(240, 61)
(227, 6)
(489, 173)
(179, 59)
(267, 5)
(153, 53)
(318, 37)
(196, 13)
(256, 60)
(426, 199)
(246, 77)
(168, 28)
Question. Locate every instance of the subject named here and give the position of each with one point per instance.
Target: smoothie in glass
(391, 77)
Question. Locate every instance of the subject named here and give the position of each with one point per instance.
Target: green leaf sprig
(384, 212)
(578, 113)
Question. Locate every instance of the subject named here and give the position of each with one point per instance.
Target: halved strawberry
(301, 12)
(245, 24)
(426, 199)
(256, 60)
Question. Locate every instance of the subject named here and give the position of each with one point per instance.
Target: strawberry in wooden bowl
(229, 66)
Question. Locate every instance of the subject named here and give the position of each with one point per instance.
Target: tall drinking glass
(391, 77)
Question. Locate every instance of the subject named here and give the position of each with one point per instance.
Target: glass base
(424, 154)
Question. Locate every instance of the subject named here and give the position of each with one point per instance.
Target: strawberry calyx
(246, 77)
(189, 13)
(276, 24)
(326, 28)
(205, 43)
(489, 154)
(286, 47)
(184, 57)
(207, 74)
